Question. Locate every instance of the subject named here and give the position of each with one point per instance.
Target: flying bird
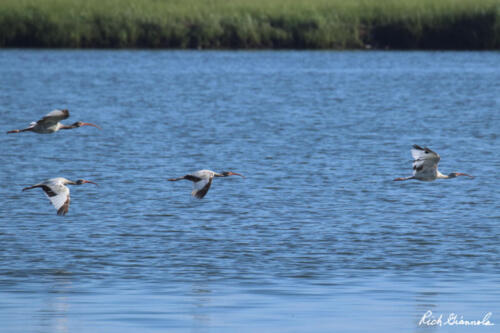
(51, 123)
(202, 180)
(57, 191)
(425, 163)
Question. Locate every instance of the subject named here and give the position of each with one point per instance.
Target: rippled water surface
(316, 238)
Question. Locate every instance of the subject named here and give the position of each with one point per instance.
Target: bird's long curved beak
(88, 181)
(90, 124)
(235, 174)
(464, 174)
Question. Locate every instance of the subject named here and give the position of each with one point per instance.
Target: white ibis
(57, 191)
(51, 123)
(202, 180)
(425, 162)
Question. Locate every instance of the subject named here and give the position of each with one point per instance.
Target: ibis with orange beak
(425, 163)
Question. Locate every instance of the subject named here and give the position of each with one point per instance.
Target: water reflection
(200, 307)
(425, 301)
(56, 307)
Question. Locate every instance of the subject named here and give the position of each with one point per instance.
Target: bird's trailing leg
(45, 188)
(21, 130)
(175, 179)
(30, 187)
(402, 178)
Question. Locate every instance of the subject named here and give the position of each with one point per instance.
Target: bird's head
(230, 173)
(83, 181)
(456, 174)
(81, 123)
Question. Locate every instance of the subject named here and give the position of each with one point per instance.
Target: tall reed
(299, 24)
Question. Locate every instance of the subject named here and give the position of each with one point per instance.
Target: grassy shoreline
(256, 24)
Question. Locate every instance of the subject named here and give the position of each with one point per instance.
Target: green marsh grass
(244, 24)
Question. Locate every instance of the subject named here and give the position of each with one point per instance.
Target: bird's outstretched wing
(58, 195)
(425, 162)
(201, 187)
(53, 117)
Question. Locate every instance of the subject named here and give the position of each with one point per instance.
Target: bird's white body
(205, 174)
(50, 123)
(47, 129)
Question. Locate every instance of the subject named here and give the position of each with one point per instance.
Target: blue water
(316, 238)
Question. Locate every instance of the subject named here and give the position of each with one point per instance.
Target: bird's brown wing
(61, 200)
(64, 208)
(201, 188)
